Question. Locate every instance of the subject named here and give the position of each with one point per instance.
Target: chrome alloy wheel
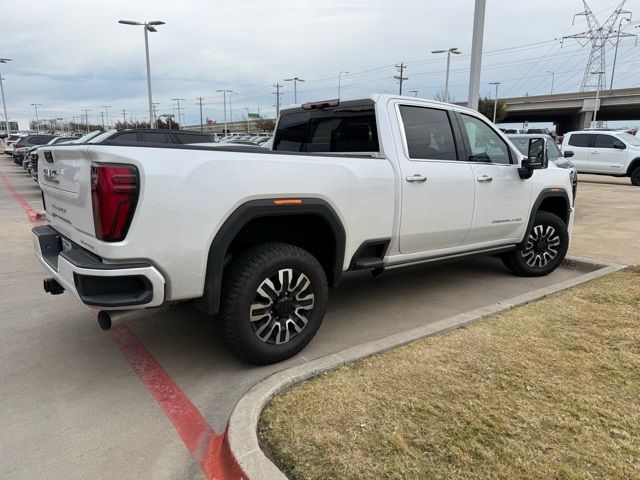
(542, 246)
(281, 306)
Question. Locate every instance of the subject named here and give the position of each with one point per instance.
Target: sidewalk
(607, 223)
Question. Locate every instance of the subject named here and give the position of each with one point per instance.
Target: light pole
(86, 117)
(180, 122)
(224, 99)
(476, 54)
(247, 109)
(615, 55)
(600, 73)
(295, 81)
(339, 76)
(154, 109)
(148, 27)
(495, 100)
(455, 51)
(4, 105)
(200, 99)
(36, 105)
(553, 77)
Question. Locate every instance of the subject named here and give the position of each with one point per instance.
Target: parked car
(256, 237)
(10, 141)
(553, 152)
(140, 135)
(543, 131)
(604, 152)
(23, 144)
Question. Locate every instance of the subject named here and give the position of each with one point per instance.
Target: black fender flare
(210, 301)
(544, 194)
(632, 166)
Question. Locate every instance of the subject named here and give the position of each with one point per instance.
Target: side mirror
(617, 144)
(537, 158)
(568, 154)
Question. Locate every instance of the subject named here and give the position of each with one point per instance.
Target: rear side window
(126, 137)
(579, 139)
(347, 128)
(186, 138)
(428, 133)
(156, 137)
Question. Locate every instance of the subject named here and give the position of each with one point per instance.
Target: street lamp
(340, 75)
(4, 105)
(553, 77)
(36, 105)
(148, 27)
(600, 73)
(247, 109)
(495, 100)
(455, 51)
(224, 98)
(295, 81)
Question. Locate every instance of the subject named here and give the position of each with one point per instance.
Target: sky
(70, 55)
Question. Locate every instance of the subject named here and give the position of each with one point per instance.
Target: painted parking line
(209, 449)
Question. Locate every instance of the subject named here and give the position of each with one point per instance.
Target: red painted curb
(210, 450)
(30, 212)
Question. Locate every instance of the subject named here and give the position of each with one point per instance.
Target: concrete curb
(243, 424)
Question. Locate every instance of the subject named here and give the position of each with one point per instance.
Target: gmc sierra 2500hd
(256, 237)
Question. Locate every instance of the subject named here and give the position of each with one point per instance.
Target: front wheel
(274, 300)
(545, 247)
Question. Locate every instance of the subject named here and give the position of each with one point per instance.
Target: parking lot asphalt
(73, 406)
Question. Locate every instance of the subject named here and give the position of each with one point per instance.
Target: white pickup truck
(257, 236)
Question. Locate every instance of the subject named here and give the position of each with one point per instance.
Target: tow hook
(52, 286)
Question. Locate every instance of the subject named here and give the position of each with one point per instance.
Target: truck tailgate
(64, 174)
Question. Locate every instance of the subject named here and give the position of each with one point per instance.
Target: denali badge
(50, 174)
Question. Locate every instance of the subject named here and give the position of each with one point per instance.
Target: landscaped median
(546, 390)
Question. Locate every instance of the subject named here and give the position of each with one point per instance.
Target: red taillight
(114, 195)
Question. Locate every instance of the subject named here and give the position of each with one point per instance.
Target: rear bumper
(95, 283)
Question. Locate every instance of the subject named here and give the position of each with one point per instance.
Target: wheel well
(634, 163)
(556, 205)
(308, 231)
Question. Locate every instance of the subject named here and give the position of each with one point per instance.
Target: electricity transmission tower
(599, 35)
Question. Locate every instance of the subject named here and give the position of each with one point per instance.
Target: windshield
(630, 139)
(87, 137)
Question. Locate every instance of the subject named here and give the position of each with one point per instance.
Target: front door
(605, 157)
(437, 188)
(502, 198)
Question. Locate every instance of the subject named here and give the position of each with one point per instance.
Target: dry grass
(547, 390)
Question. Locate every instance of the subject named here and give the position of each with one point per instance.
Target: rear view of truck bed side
(132, 227)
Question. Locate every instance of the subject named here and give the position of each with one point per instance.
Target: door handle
(484, 178)
(416, 178)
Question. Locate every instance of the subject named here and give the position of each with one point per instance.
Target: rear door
(437, 188)
(502, 198)
(605, 157)
(580, 144)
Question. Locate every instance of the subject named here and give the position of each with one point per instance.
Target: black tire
(544, 249)
(635, 176)
(241, 298)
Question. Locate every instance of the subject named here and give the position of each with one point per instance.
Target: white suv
(608, 152)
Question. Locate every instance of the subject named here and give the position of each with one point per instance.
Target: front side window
(428, 133)
(604, 141)
(486, 145)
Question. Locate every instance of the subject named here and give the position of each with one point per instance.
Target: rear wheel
(273, 301)
(635, 176)
(544, 249)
